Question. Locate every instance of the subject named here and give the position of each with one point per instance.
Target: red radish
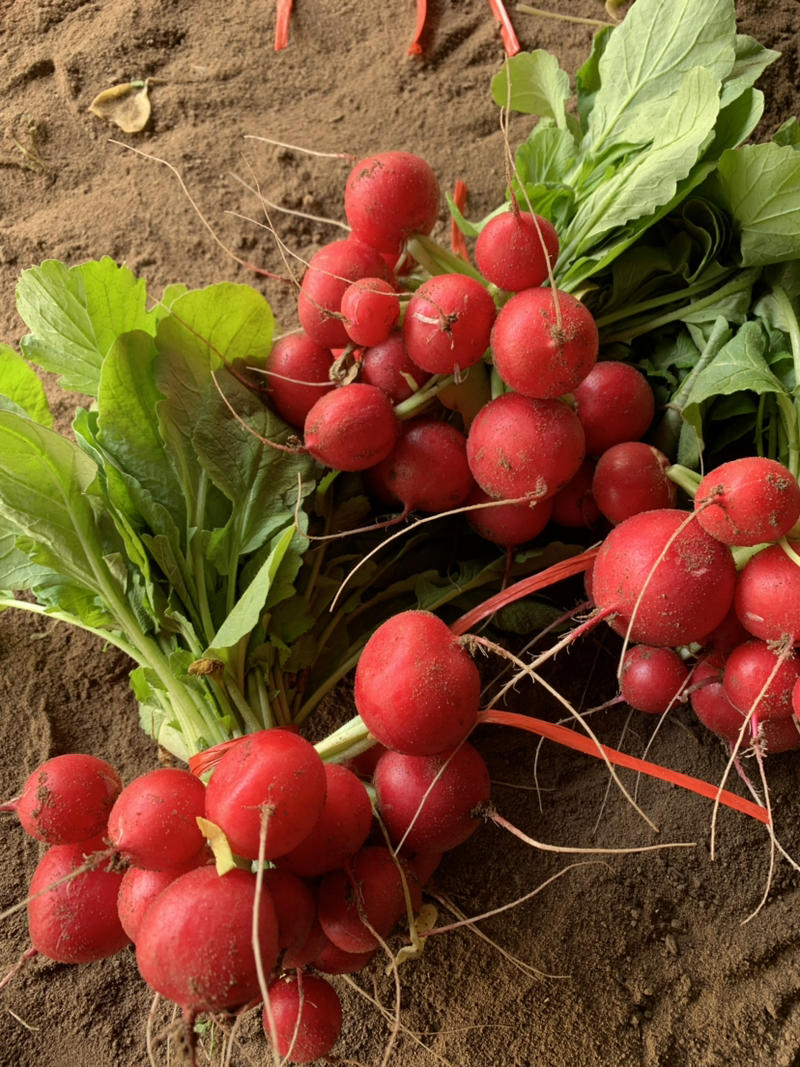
(352, 428)
(332, 960)
(306, 1016)
(749, 668)
(652, 679)
(305, 953)
(448, 323)
(615, 403)
(573, 505)
(416, 688)
(544, 343)
(513, 249)
(295, 907)
(340, 831)
(747, 501)
(768, 595)
(389, 366)
(359, 905)
(298, 375)
(725, 637)
(67, 798)
(428, 802)
(518, 447)
(389, 197)
(371, 309)
(153, 823)
(195, 943)
(364, 763)
(631, 477)
(664, 577)
(427, 469)
(329, 272)
(75, 920)
(508, 524)
(272, 773)
(137, 891)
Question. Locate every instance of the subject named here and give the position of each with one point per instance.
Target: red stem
(565, 568)
(415, 48)
(456, 236)
(283, 12)
(562, 736)
(510, 41)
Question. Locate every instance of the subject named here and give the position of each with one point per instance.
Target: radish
(72, 917)
(544, 343)
(508, 524)
(153, 823)
(615, 403)
(295, 907)
(631, 477)
(333, 960)
(513, 250)
(195, 943)
(298, 373)
(371, 309)
(427, 469)
(768, 595)
(358, 906)
(340, 830)
(273, 777)
(138, 889)
(352, 428)
(748, 501)
(652, 679)
(330, 271)
(429, 802)
(67, 798)
(663, 579)
(306, 1017)
(574, 505)
(749, 668)
(518, 446)
(389, 197)
(389, 366)
(416, 689)
(448, 323)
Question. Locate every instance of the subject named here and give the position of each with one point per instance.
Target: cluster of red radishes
(308, 868)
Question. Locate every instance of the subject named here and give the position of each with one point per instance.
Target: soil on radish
(655, 967)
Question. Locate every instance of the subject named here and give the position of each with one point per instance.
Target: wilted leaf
(128, 105)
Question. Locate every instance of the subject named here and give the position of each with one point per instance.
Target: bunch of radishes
(305, 883)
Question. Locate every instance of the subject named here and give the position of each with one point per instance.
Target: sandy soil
(642, 959)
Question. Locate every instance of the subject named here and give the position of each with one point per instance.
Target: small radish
(195, 943)
(544, 343)
(67, 799)
(513, 249)
(138, 889)
(748, 501)
(329, 272)
(352, 428)
(153, 823)
(297, 372)
(631, 477)
(371, 309)
(768, 595)
(518, 446)
(448, 323)
(416, 688)
(663, 579)
(507, 524)
(272, 777)
(615, 403)
(758, 679)
(295, 907)
(574, 505)
(652, 679)
(389, 367)
(72, 917)
(389, 197)
(306, 1016)
(333, 960)
(429, 802)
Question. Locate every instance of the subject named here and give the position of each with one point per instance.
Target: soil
(637, 959)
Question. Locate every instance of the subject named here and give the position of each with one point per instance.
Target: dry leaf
(128, 105)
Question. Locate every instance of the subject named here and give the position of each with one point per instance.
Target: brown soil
(644, 959)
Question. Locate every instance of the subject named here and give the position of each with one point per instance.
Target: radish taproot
(748, 501)
(389, 197)
(515, 249)
(304, 1017)
(351, 428)
(448, 323)
(330, 271)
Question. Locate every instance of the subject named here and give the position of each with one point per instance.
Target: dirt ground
(642, 959)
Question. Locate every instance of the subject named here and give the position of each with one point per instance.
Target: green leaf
(75, 314)
(587, 78)
(752, 59)
(759, 186)
(647, 60)
(533, 83)
(21, 388)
